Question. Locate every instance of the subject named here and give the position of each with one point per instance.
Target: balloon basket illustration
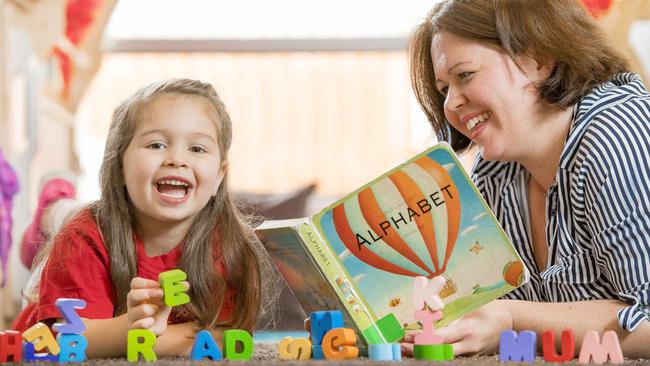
(513, 273)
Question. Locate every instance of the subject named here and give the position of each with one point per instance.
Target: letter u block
(568, 346)
(175, 292)
(522, 347)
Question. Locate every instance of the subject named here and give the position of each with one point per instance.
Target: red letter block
(568, 346)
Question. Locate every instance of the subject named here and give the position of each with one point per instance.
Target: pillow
(276, 206)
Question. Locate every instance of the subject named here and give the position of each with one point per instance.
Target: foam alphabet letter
(568, 346)
(73, 324)
(175, 292)
(425, 291)
(518, 348)
(233, 337)
(294, 349)
(593, 349)
(428, 335)
(29, 355)
(73, 347)
(41, 336)
(385, 352)
(205, 346)
(140, 342)
(10, 346)
(339, 344)
(322, 322)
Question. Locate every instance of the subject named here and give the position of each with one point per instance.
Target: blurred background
(318, 91)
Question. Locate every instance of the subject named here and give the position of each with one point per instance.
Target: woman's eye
(464, 75)
(156, 146)
(197, 149)
(444, 90)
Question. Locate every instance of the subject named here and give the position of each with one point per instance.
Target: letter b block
(73, 347)
(170, 281)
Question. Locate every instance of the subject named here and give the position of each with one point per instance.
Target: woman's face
(487, 97)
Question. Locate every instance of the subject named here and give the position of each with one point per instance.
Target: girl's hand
(476, 333)
(145, 306)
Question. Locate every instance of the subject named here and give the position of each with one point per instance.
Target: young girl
(164, 204)
(564, 140)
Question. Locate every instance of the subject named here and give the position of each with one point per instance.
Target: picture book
(362, 254)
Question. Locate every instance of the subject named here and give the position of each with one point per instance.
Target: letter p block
(170, 281)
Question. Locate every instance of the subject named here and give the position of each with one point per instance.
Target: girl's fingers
(139, 282)
(144, 323)
(452, 333)
(142, 311)
(142, 295)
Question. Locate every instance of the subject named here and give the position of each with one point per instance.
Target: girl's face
(172, 165)
(487, 97)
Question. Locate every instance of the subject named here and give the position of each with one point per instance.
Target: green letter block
(237, 336)
(134, 348)
(174, 291)
(433, 352)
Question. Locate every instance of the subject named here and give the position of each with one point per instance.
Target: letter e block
(175, 292)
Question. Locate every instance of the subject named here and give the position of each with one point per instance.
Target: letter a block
(385, 352)
(42, 339)
(205, 347)
(10, 346)
(339, 344)
(140, 342)
(518, 348)
(170, 281)
(67, 308)
(568, 346)
(234, 337)
(294, 349)
(73, 347)
(593, 349)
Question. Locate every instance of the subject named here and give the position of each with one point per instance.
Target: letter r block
(170, 281)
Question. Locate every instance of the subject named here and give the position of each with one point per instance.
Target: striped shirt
(597, 210)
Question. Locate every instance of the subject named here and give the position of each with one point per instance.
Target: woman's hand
(476, 333)
(145, 306)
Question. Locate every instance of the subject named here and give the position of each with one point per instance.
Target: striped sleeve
(617, 203)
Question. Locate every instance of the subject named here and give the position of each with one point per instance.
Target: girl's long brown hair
(219, 229)
(560, 30)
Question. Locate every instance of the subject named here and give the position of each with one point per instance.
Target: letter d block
(518, 348)
(205, 346)
(73, 347)
(234, 337)
(11, 346)
(170, 281)
(140, 342)
(339, 344)
(294, 349)
(41, 336)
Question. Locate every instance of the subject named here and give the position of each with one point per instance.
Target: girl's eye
(197, 149)
(156, 146)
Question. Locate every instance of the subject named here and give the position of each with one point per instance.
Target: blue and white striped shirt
(598, 209)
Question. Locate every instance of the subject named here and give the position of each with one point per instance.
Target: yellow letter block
(41, 336)
(294, 349)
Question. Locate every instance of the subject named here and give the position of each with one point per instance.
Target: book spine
(338, 278)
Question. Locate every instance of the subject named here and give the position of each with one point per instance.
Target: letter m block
(513, 347)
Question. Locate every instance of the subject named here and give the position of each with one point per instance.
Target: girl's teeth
(172, 195)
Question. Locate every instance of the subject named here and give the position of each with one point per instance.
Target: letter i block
(73, 324)
(322, 322)
(205, 346)
(568, 346)
(339, 344)
(593, 349)
(294, 349)
(234, 337)
(433, 352)
(10, 346)
(29, 355)
(385, 352)
(41, 337)
(517, 348)
(140, 342)
(175, 292)
(73, 347)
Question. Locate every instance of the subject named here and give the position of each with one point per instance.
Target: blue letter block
(518, 348)
(205, 346)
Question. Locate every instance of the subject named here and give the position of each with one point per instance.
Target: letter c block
(170, 281)
(339, 344)
(294, 349)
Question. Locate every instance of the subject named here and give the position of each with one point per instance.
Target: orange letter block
(339, 344)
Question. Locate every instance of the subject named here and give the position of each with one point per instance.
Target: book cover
(362, 253)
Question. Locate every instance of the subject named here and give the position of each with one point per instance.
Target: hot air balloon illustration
(406, 223)
(513, 273)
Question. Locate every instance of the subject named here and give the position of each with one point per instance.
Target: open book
(361, 254)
